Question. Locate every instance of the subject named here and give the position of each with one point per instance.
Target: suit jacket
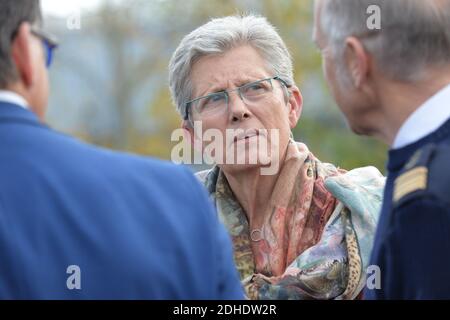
(81, 222)
(412, 242)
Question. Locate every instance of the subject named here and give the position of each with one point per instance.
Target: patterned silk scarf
(317, 235)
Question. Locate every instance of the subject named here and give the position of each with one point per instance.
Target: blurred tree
(134, 41)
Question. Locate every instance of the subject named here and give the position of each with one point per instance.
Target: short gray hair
(414, 34)
(12, 14)
(219, 36)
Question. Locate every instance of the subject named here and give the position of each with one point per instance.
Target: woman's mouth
(246, 135)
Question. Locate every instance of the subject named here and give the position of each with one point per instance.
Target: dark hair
(12, 14)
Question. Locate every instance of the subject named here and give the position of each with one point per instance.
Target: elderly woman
(305, 231)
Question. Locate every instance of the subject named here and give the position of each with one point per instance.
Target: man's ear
(357, 60)
(22, 54)
(295, 105)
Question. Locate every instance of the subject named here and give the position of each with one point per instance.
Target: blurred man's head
(412, 48)
(23, 52)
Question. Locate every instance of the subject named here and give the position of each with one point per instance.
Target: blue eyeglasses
(49, 42)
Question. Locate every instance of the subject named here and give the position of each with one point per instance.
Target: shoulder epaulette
(427, 172)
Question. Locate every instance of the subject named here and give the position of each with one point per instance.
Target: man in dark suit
(80, 222)
(388, 66)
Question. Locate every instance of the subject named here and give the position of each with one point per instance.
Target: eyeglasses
(217, 103)
(49, 42)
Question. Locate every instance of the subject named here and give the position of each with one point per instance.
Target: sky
(66, 8)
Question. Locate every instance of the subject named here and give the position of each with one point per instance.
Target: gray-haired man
(393, 82)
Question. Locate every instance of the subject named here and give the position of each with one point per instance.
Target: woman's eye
(212, 101)
(216, 98)
(256, 87)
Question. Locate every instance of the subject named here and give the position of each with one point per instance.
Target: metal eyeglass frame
(227, 92)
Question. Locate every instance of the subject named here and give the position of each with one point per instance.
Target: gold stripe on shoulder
(413, 180)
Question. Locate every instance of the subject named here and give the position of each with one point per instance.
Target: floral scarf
(317, 236)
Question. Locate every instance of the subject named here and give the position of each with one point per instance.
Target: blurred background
(110, 79)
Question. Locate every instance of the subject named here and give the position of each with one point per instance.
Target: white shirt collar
(14, 98)
(425, 120)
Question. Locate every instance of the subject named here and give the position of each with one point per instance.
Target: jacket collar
(10, 112)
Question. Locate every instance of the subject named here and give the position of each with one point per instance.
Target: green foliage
(321, 127)
(340, 146)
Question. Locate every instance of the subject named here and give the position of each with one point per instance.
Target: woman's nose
(238, 110)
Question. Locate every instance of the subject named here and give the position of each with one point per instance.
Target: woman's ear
(295, 105)
(190, 137)
(188, 132)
